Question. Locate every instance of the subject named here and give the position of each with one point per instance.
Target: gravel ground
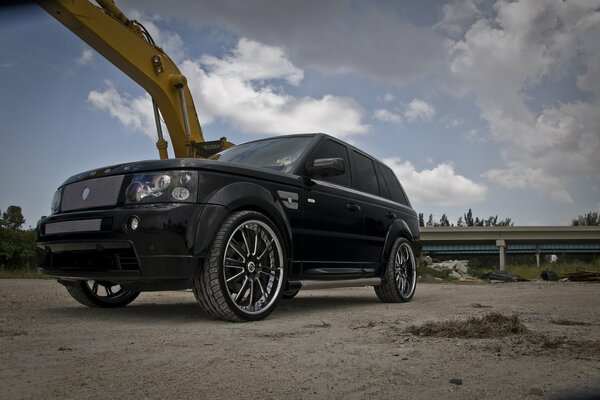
(338, 344)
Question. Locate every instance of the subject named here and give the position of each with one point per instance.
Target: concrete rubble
(459, 269)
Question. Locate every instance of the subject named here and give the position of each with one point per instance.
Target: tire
(290, 294)
(244, 274)
(101, 294)
(400, 277)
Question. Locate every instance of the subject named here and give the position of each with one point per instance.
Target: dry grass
(567, 322)
(23, 273)
(583, 347)
(488, 326)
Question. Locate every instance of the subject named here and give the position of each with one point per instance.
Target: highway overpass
(506, 240)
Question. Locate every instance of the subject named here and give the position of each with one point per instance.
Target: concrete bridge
(506, 240)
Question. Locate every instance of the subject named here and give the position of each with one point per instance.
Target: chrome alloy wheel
(253, 267)
(405, 270)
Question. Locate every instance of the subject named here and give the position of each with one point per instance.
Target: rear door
(376, 218)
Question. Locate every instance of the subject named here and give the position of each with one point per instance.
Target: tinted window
(396, 192)
(363, 173)
(279, 154)
(330, 149)
(382, 186)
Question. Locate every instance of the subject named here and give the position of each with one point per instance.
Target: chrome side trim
(314, 284)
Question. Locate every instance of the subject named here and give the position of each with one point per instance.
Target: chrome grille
(86, 225)
(100, 192)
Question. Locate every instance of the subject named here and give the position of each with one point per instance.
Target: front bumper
(162, 247)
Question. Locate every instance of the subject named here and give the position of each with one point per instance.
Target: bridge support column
(502, 250)
(537, 256)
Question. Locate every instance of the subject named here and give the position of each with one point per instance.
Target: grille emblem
(85, 194)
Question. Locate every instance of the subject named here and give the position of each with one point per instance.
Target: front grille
(100, 192)
(85, 225)
(95, 260)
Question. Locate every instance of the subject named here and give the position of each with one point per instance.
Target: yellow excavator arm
(127, 45)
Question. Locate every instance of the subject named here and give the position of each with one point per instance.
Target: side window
(393, 185)
(365, 178)
(382, 185)
(330, 149)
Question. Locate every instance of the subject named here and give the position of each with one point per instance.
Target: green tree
(587, 219)
(491, 221)
(444, 220)
(17, 247)
(506, 222)
(469, 218)
(430, 220)
(421, 220)
(13, 218)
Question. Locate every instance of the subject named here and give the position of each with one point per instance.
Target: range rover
(255, 223)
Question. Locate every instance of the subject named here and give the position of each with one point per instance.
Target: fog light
(133, 224)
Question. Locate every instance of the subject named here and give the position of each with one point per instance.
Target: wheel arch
(399, 228)
(241, 196)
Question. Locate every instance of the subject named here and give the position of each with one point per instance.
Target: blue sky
(486, 105)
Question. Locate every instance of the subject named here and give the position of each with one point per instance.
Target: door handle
(390, 215)
(352, 207)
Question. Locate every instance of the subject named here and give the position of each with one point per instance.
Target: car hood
(187, 163)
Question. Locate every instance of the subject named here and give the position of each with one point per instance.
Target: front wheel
(101, 294)
(244, 274)
(400, 278)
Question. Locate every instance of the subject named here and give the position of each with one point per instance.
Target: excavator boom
(125, 44)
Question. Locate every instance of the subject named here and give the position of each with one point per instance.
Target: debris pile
(579, 276)
(501, 276)
(549, 275)
(458, 269)
(583, 276)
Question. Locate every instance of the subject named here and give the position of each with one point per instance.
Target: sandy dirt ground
(338, 344)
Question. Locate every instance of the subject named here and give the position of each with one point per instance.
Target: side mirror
(325, 167)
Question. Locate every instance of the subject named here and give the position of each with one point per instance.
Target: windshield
(279, 154)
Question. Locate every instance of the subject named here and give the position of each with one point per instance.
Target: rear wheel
(400, 279)
(245, 271)
(101, 294)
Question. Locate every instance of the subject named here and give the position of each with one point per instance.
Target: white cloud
(439, 186)
(503, 56)
(333, 36)
(419, 110)
(85, 58)
(387, 116)
(135, 114)
(253, 61)
(475, 136)
(457, 16)
(240, 93)
(236, 89)
(519, 176)
(386, 98)
(590, 80)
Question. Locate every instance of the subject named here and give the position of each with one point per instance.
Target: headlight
(54, 207)
(163, 187)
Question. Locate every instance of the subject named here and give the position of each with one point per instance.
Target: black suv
(255, 223)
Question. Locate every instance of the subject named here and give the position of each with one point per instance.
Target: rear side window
(363, 174)
(331, 149)
(396, 192)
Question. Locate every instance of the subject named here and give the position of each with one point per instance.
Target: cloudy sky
(489, 105)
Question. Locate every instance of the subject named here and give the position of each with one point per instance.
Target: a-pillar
(502, 250)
